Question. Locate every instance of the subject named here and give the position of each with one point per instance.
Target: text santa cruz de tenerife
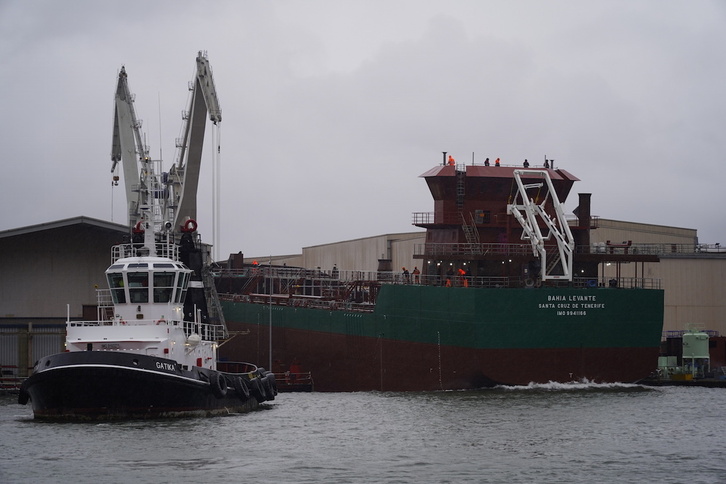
(572, 305)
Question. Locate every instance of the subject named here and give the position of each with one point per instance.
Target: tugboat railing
(208, 332)
(121, 251)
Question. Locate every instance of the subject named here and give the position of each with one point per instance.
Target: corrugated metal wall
(50, 342)
(8, 347)
(44, 341)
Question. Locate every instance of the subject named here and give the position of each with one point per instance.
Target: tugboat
(152, 352)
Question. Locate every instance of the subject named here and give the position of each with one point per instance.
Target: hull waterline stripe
(143, 370)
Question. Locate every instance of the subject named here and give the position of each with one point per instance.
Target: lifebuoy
(138, 229)
(161, 321)
(190, 226)
(219, 384)
(591, 283)
(240, 386)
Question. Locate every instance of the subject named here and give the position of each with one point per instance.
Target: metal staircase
(473, 244)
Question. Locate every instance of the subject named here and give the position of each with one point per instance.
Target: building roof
(80, 220)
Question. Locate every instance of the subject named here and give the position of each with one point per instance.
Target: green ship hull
(430, 337)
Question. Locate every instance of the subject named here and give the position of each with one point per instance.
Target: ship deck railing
(480, 217)
(121, 251)
(364, 301)
(208, 332)
(317, 284)
(300, 301)
(431, 250)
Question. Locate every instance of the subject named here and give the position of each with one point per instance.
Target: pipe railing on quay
(678, 333)
(9, 379)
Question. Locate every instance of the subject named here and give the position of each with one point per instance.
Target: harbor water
(554, 433)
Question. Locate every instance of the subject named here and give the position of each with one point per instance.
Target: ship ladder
(460, 178)
(554, 260)
(472, 235)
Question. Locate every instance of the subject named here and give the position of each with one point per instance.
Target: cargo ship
(511, 291)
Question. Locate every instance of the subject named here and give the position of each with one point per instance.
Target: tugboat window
(181, 290)
(138, 287)
(116, 284)
(163, 286)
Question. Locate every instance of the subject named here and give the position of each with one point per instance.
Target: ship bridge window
(164, 265)
(117, 266)
(181, 288)
(116, 284)
(138, 287)
(163, 286)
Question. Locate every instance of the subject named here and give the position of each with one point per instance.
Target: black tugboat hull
(96, 385)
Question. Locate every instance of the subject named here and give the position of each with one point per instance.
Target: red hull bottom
(341, 363)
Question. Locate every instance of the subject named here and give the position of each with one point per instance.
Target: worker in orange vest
(462, 278)
(452, 161)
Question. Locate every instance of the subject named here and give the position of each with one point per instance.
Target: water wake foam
(583, 384)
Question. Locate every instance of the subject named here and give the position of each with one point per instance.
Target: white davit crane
(529, 212)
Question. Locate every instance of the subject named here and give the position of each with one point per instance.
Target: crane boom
(184, 174)
(127, 145)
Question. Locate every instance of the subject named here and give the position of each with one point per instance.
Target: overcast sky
(332, 109)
